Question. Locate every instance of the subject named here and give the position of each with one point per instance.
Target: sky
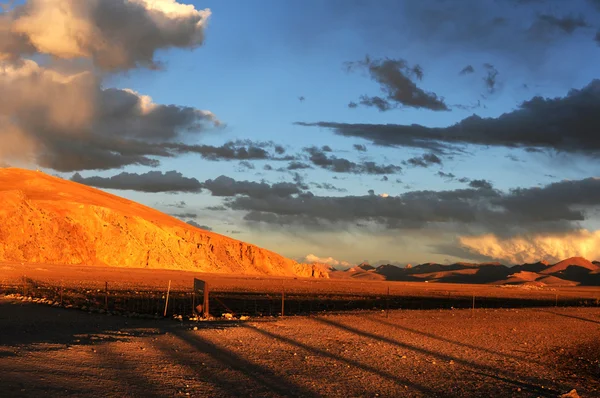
(335, 131)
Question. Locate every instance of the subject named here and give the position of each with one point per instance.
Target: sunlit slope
(44, 219)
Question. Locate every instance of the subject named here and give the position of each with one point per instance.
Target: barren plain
(440, 353)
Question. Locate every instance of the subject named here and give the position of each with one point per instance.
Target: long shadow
(570, 316)
(265, 378)
(446, 340)
(27, 323)
(351, 362)
(512, 378)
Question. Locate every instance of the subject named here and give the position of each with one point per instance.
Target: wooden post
(387, 303)
(106, 296)
(205, 313)
(283, 301)
(194, 302)
(167, 299)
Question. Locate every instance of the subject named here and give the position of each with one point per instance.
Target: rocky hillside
(44, 219)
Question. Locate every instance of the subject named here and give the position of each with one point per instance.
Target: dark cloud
(246, 165)
(467, 70)
(195, 224)
(491, 77)
(267, 167)
(481, 184)
(559, 206)
(233, 150)
(184, 215)
(597, 37)
(426, 160)
(114, 34)
(227, 186)
(69, 123)
(397, 80)
(340, 165)
(298, 166)
(217, 208)
(328, 187)
(570, 123)
(360, 148)
(352, 105)
(567, 24)
(152, 181)
(448, 176)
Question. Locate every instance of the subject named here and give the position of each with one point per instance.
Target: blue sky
(258, 58)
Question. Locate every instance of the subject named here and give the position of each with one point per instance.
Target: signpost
(201, 290)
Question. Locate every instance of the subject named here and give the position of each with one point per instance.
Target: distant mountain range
(570, 272)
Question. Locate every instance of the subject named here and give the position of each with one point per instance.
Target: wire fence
(178, 303)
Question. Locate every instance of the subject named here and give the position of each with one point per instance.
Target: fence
(182, 303)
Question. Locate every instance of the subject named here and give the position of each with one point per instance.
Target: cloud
(555, 208)
(113, 34)
(360, 148)
(491, 77)
(320, 158)
(568, 124)
(328, 187)
(185, 215)
(535, 247)
(195, 224)
(481, 184)
(426, 160)
(397, 80)
(152, 181)
(567, 24)
(311, 258)
(67, 122)
(467, 70)
(298, 166)
(227, 186)
(448, 176)
(232, 150)
(597, 37)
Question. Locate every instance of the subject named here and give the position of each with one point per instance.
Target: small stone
(570, 394)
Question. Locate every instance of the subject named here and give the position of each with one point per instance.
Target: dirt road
(534, 352)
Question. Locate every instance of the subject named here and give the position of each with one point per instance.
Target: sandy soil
(534, 352)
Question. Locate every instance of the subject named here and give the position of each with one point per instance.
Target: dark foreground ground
(48, 351)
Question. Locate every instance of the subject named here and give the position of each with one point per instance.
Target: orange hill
(573, 261)
(44, 219)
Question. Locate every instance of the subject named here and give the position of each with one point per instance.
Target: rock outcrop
(44, 219)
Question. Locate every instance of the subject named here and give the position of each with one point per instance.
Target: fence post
(106, 296)
(205, 308)
(387, 303)
(167, 299)
(283, 300)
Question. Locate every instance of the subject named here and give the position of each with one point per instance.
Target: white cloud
(535, 247)
(311, 258)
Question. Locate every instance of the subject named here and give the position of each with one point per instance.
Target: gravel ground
(448, 353)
